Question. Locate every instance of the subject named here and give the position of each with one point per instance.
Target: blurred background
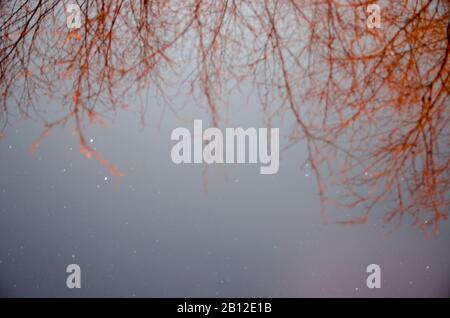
(136, 70)
(162, 232)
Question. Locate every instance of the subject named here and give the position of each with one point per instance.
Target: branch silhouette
(372, 105)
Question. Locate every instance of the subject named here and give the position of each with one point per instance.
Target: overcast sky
(160, 234)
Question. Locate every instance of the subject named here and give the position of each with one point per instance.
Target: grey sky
(159, 234)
